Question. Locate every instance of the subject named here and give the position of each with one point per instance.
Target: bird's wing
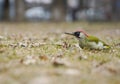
(95, 39)
(92, 39)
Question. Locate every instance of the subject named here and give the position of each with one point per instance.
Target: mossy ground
(40, 53)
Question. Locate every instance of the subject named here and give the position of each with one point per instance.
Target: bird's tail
(107, 47)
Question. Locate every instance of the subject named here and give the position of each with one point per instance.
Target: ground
(40, 53)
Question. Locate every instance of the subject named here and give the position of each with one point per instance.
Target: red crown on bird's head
(83, 32)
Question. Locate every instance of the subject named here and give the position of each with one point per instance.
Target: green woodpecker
(89, 42)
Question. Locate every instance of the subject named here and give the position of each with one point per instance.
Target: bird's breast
(95, 45)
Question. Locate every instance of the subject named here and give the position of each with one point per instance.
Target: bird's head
(78, 34)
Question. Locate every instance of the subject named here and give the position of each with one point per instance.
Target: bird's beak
(69, 33)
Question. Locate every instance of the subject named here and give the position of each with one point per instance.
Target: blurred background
(59, 10)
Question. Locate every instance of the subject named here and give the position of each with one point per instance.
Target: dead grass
(40, 53)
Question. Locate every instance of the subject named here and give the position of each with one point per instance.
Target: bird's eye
(77, 34)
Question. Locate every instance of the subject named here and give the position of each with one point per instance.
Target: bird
(89, 42)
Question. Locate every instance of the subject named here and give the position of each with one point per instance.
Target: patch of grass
(31, 50)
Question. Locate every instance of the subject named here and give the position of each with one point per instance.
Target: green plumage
(93, 39)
